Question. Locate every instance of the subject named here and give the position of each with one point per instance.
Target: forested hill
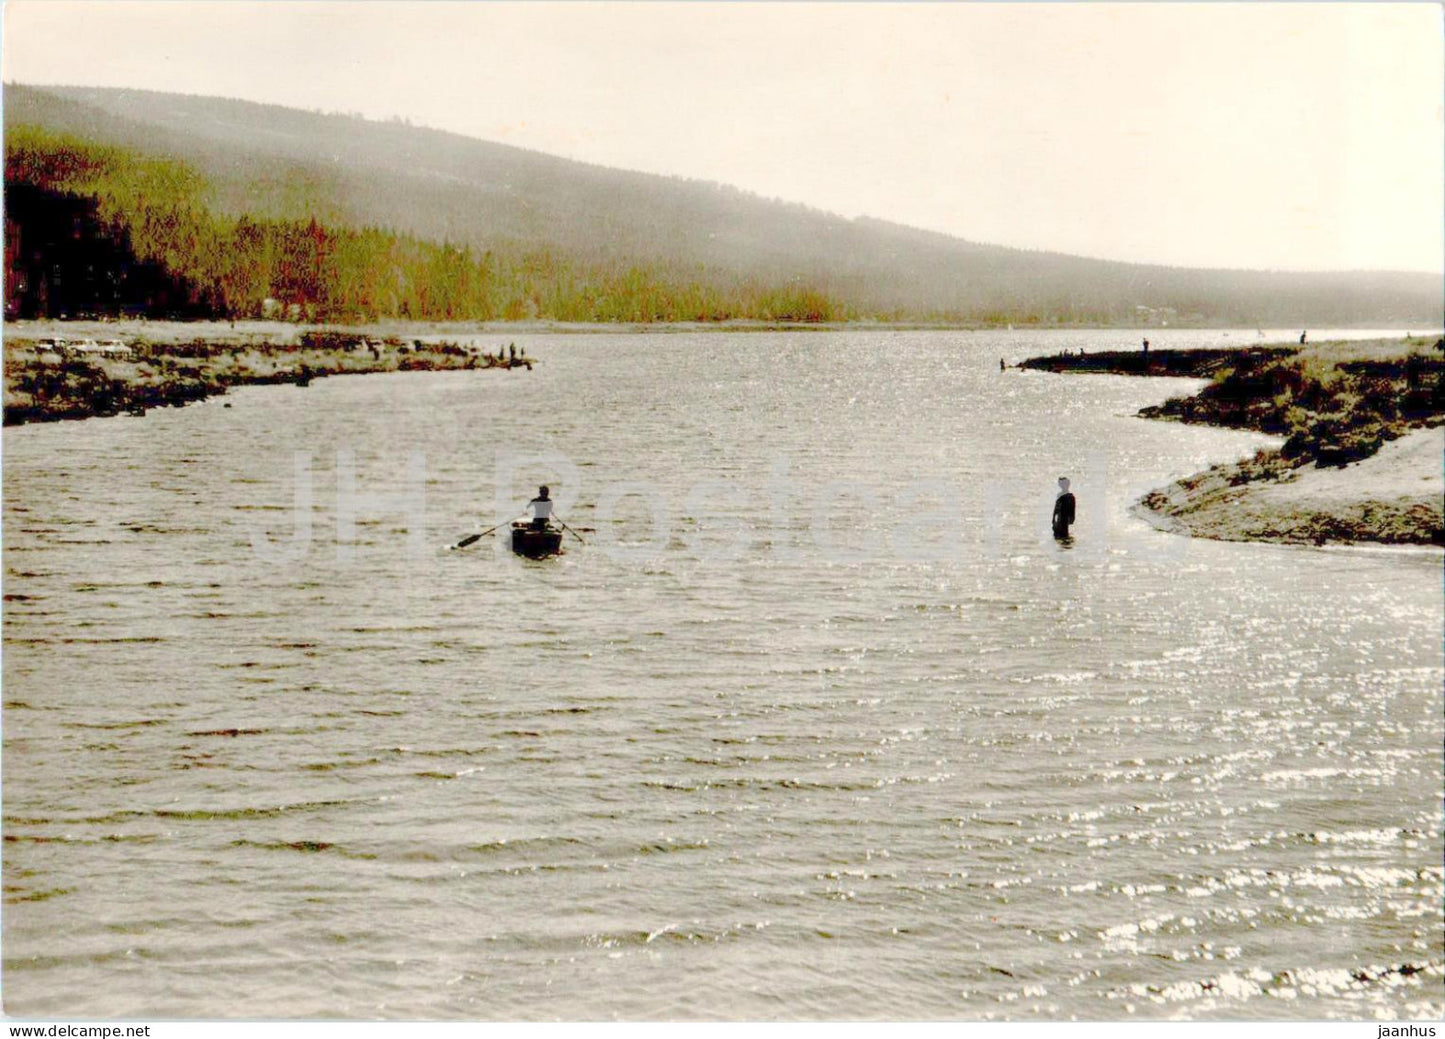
(210, 206)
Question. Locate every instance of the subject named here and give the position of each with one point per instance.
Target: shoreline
(48, 379)
(1360, 457)
(285, 331)
(1359, 420)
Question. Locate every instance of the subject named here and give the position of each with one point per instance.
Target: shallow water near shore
(820, 722)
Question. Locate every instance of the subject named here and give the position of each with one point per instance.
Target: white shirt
(542, 507)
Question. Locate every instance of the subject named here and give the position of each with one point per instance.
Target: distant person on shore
(1302, 338)
(1063, 509)
(1146, 347)
(1001, 365)
(541, 507)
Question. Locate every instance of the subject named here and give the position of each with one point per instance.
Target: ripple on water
(1140, 776)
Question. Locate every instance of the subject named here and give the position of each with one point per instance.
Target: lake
(820, 721)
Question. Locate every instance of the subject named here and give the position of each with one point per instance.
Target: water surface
(819, 723)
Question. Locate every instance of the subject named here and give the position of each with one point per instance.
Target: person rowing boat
(535, 539)
(538, 539)
(541, 507)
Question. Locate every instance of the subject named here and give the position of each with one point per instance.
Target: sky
(1287, 136)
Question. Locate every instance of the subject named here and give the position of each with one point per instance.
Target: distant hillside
(422, 223)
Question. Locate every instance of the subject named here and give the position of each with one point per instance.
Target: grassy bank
(1340, 407)
(46, 382)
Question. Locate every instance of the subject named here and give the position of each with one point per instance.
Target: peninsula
(50, 378)
(1361, 451)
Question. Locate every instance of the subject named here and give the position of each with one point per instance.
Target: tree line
(97, 228)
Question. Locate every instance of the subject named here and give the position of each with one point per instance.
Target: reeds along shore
(47, 381)
(1361, 456)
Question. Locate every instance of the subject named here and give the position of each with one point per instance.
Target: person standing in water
(541, 507)
(1063, 509)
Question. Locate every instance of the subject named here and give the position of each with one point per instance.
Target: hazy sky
(1301, 136)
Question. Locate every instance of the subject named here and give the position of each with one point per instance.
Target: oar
(470, 538)
(570, 530)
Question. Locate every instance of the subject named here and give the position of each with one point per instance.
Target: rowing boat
(528, 541)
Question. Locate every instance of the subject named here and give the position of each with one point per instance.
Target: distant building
(116, 348)
(112, 348)
(1145, 315)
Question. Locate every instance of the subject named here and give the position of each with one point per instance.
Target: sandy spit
(1393, 497)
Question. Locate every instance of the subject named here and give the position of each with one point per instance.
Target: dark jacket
(1063, 510)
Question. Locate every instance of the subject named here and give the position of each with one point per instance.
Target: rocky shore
(50, 378)
(1189, 364)
(1362, 444)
